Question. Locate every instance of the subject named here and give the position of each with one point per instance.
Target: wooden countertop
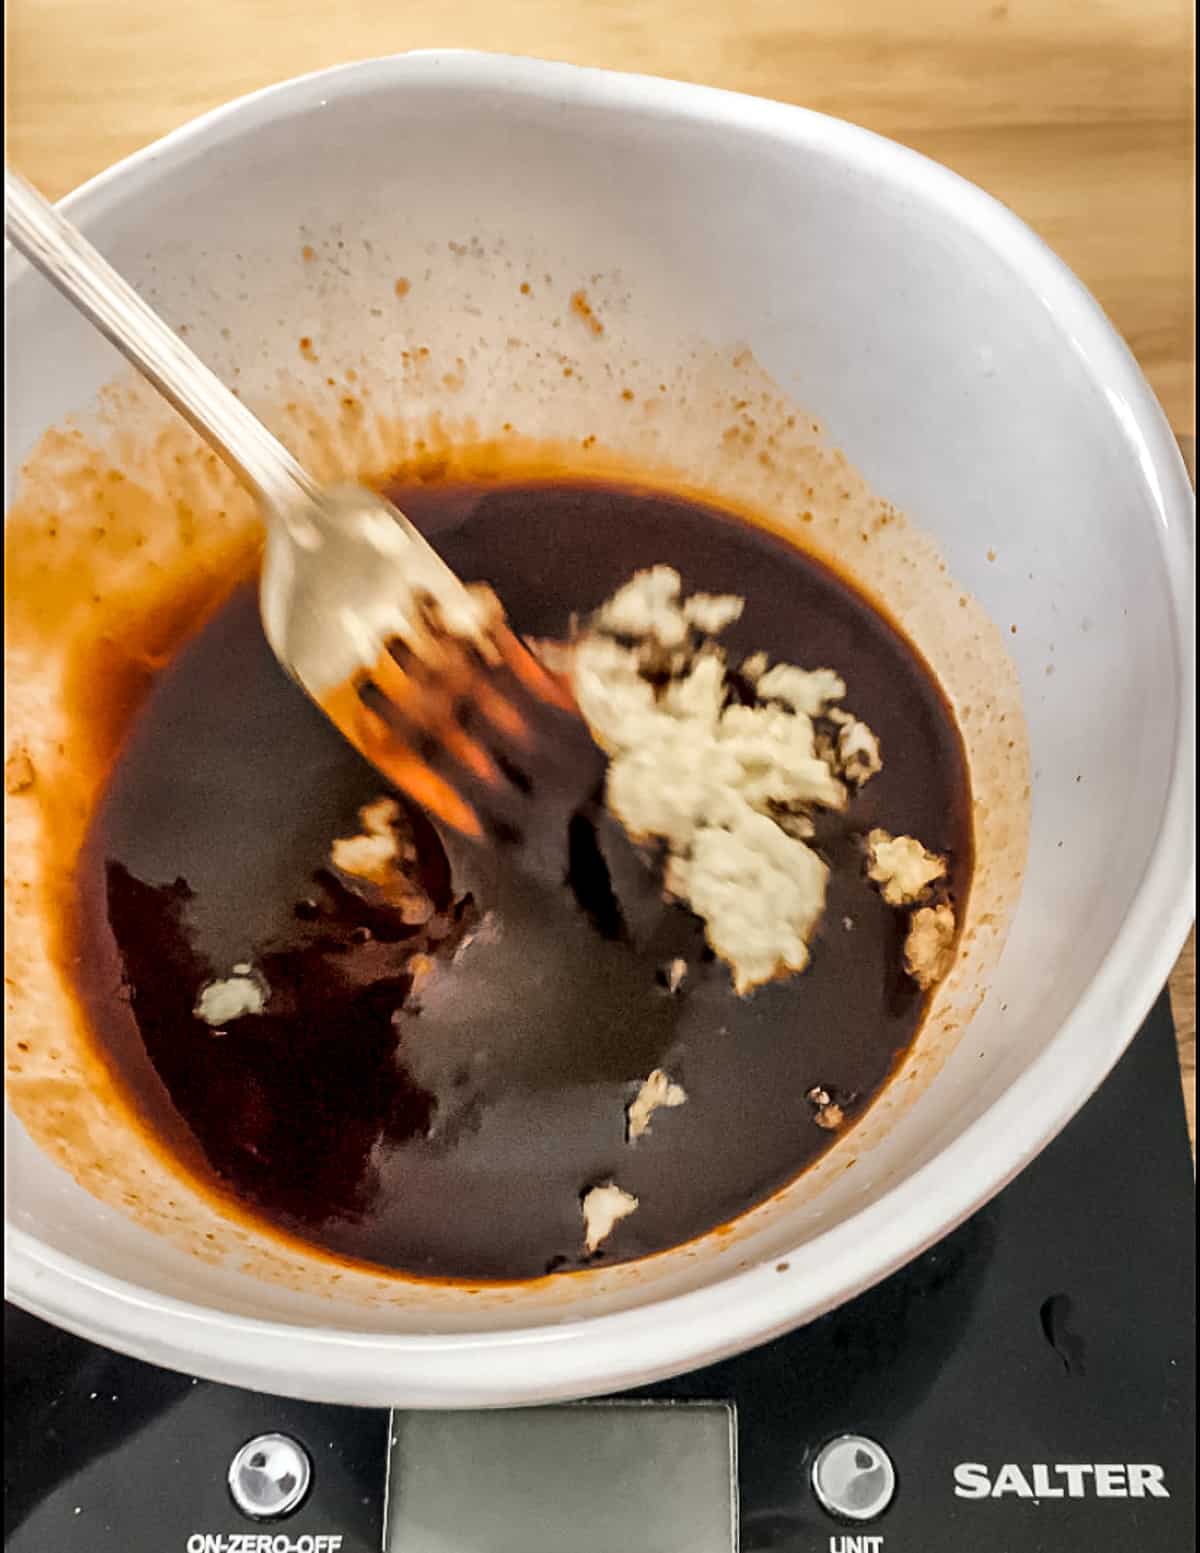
(1079, 117)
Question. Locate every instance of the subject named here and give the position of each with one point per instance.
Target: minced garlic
(657, 1093)
(603, 1209)
(729, 788)
(901, 867)
(384, 856)
(929, 947)
(241, 993)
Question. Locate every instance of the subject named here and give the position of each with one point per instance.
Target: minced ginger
(730, 789)
(929, 947)
(727, 787)
(603, 1208)
(383, 856)
(658, 1092)
(901, 867)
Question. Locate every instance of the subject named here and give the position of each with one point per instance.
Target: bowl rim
(593, 1354)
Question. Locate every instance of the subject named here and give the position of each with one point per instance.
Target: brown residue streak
(525, 288)
(582, 308)
(306, 348)
(19, 774)
(403, 286)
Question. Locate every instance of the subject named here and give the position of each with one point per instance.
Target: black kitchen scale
(1027, 1385)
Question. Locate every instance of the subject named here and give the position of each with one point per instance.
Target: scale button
(853, 1478)
(269, 1477)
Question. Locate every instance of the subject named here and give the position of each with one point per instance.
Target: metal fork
(420, 672)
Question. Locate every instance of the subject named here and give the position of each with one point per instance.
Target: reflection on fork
(473, 730)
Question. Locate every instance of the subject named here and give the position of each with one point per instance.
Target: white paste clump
(241, 993)
(901, 867)
(728, 788)
(383, 856)
(858, 756)
(906, 873)
(657, 1093)
(806, 691)
(603, 1209)
(929, 947)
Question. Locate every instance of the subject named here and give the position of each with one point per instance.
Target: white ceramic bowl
(977, 386)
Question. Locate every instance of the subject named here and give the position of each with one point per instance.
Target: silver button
(854, 1478)
(269, 1477)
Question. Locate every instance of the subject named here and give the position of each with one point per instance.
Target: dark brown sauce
(451, 1131)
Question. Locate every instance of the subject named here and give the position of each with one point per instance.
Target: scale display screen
(597, 1477)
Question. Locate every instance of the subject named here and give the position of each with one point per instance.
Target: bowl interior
(960, 369)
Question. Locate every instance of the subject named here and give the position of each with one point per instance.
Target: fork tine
(374, 738)
(419, 687)
(413, 721)
(499, 711)
(454, 704)
(533, 674)
(428, 706)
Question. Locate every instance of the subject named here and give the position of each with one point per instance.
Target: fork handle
(54, 246)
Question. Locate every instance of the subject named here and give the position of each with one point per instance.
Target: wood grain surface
(1076, 113)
